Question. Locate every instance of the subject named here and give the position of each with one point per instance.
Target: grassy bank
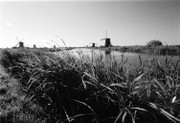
(64, 88)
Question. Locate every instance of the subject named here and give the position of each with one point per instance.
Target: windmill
(107, 41)
(93, 44)
(20, 43)
(34, 46)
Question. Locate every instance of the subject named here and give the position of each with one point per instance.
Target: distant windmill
(20, 43)
(34, 46)
(107, 41)
(93, 44)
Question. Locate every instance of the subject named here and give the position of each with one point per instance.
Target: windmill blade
(106, 34)
(19, 40)
(26, 45)
(166, 43)
(16, 45)
(103, 39)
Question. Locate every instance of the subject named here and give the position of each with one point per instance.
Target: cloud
(8, 24)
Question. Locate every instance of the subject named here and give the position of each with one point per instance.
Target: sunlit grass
(69, 88)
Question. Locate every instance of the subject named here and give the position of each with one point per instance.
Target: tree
(154, 43)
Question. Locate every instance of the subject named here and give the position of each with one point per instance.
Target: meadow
(43, 87)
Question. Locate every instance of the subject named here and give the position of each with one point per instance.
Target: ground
(10, 97)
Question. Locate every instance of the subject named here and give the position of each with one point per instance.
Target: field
(41, 87)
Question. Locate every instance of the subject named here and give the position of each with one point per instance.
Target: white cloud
(8, 24)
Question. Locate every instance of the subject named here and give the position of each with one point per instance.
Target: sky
(80, 23)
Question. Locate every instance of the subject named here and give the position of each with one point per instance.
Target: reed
(76, 89)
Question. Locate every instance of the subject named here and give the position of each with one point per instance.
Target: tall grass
(71, 89)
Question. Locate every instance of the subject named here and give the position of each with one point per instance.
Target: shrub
(154, 43)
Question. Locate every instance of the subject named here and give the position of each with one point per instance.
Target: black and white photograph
(89, 61)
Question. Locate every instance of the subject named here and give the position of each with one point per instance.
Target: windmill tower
(34, 46)
(107, 41)
(20, 43)
(93, 44)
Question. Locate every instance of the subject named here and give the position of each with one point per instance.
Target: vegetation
(154, 43)
(152, 47)
(59, 87)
